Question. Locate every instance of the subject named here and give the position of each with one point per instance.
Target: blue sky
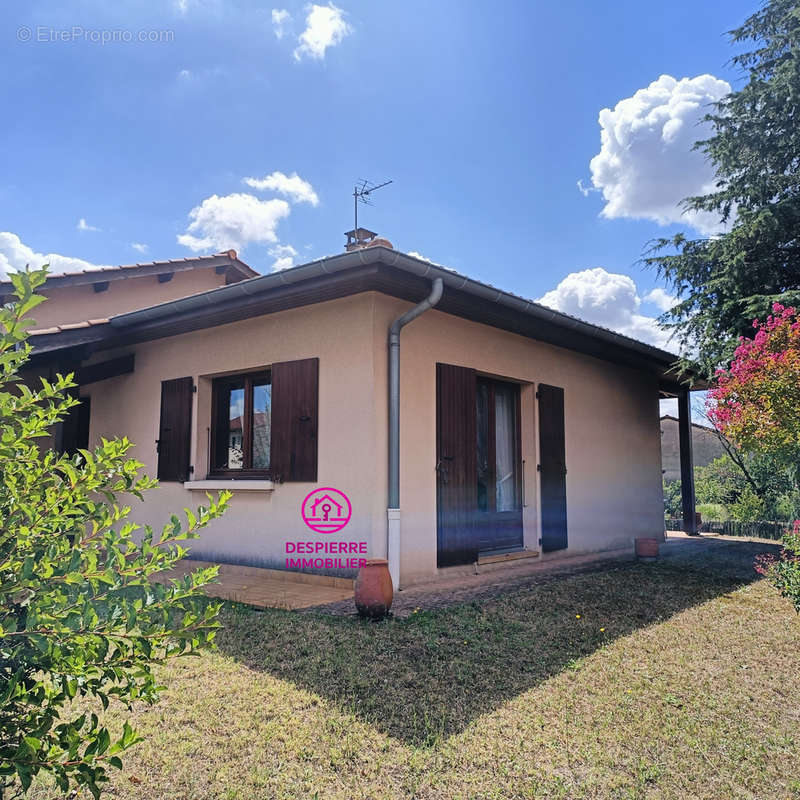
(485, 116)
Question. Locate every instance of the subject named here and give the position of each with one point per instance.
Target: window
(75, 427)
(497, 423)
(264, 423)
(241, 425)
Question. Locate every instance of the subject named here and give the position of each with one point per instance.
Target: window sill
(240, 485)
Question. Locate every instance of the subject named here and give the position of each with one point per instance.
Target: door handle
(442, 471)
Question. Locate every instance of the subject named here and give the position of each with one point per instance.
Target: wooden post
(687, 468)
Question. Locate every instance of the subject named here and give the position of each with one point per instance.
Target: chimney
(358, 238)
(361, 238)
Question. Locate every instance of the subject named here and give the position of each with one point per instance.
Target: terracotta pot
(373, 589)
(647, 549)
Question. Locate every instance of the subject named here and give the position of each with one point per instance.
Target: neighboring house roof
(371, 269)
(706, 446)
(694, 424)
(259, 420)
(228, 261)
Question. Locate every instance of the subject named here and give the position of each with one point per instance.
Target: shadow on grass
(426, 677)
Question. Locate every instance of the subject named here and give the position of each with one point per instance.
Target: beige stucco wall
(613, 452)
(258, 524)
(67, 304)
(612, 427)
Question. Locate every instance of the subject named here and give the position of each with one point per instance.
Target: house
(80, 300)
(706, 446)
(459, 420)
(93, 295)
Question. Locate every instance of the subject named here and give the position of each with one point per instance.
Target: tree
(756, 402)
(79, 618)
(726, 281)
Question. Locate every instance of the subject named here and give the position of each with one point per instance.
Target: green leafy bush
(739, 485)
(784, 572)
(79, 617)
(749, 507)
(672, 498)
(787, 506)
(713, 511)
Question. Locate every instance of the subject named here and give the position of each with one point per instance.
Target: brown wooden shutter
(552, 467)
(175, 430)
(456, 465)
(295, 412)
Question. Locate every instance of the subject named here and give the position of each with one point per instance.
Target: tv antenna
(361, 194)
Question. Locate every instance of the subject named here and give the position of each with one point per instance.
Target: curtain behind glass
(505, 425)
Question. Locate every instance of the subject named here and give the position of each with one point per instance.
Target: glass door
(498, 517)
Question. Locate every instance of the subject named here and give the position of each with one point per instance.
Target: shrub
(784, 572)
(79, 617)
(713, 511)
(787, 506)
(749, 507)
(672, 498)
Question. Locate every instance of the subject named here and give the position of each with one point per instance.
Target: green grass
(690, 691)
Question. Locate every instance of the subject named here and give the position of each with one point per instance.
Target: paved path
(717, 553)
(266, 588)
(269, 588)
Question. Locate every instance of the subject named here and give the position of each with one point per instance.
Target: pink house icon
(322, 513)
(326, 504)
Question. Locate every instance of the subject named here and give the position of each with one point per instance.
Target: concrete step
(501, 558)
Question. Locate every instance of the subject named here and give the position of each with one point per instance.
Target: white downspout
(393, 510)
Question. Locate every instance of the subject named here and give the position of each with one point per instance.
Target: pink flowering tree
(756, 402)
(756, 405)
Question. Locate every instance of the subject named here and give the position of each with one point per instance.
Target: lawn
(639, 681)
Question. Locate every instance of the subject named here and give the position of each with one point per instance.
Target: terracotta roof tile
(89, 323)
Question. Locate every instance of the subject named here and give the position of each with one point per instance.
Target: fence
(759, 530)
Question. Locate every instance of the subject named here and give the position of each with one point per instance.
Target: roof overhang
(228, 262)
(372, 269)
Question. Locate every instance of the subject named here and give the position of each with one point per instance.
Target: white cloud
(185, 7)
(658, 297)
(325, 27)
(197, 78)
(15, 256)
(608, 299)
(280, 21)
(669, 406)
(139, 247)
(646, 165)
(291, 186)
(421, 257)
(284, 255)
(84, 226)
(233, 221)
